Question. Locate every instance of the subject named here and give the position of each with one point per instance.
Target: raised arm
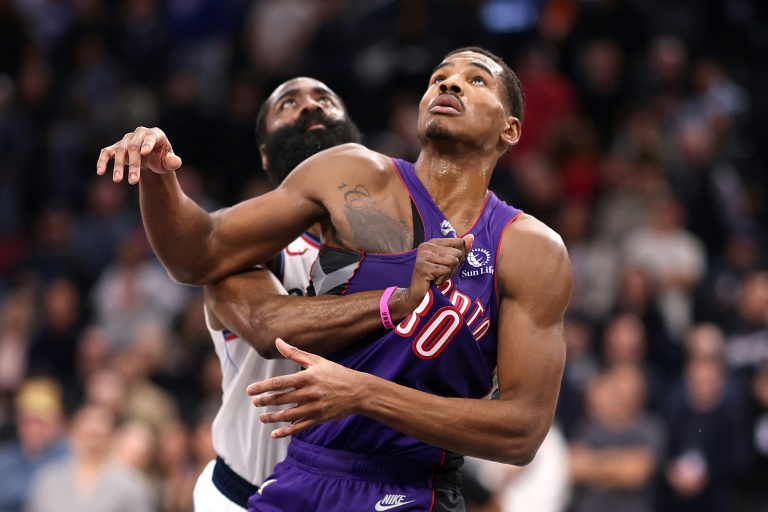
(255, 306)
(535, 285)
(200, 248)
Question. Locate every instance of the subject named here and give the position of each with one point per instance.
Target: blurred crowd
(641, 146)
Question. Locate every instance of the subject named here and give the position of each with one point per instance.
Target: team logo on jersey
(480, 259)
(391, 501)
(446, 228)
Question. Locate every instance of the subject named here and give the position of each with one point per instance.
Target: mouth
(447, 104)
(316, 125)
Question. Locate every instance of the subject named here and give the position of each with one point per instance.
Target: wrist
(401, 305)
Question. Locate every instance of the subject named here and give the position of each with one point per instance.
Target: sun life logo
(478, 258)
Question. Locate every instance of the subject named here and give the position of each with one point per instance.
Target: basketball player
(383, 429)
(313, 119)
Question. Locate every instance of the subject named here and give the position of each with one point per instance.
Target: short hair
(261, 117)
(515, 99)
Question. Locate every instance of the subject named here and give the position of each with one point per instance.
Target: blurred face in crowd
(301, 117)
(91, 432)
(39, 418)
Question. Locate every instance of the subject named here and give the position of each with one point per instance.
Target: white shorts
(207, 498)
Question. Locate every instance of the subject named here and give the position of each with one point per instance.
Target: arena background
(643, 146)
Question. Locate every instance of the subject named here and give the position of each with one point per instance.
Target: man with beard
(382, 424)
(300, 118)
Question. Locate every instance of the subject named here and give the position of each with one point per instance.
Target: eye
(325, 100)
(438, 79)
(478, 80)
(288, 102)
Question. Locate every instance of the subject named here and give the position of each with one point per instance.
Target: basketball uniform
(447, 347)
(246, 452)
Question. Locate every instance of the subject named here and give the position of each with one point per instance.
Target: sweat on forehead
(473, 58)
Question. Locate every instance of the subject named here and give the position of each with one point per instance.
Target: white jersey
(238, 436)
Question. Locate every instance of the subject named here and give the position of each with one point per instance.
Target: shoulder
(347, 166)
(531, 256)
(350, 155)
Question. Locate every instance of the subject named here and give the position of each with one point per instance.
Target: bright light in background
(509, 16)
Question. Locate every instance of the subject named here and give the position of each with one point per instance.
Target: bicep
(535, 288)
(254, 231)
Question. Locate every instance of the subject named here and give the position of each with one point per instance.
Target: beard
(290, 145)
(436, 130)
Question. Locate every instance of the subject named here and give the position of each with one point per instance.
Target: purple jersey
(447, 347)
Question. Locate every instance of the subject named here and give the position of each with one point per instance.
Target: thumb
(468, 241)
(305, 359)
(171, 162)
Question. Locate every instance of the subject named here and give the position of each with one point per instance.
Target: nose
(449, 85)
(311, 104)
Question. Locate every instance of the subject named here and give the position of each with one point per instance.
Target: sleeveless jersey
(238, 436)
(447, 347)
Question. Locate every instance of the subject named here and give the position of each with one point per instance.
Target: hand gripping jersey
(447, 347)
(239, 438)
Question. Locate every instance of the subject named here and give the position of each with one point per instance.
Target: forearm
(500, 430)
(320, 325)
(177, 228)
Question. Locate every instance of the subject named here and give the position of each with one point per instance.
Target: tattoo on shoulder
(372, 228)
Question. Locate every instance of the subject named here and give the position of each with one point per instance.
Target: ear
(511, 134)
(263, 152)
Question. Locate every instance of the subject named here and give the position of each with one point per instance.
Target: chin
(436, 130)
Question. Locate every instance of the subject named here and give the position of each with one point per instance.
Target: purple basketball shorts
(312, 478)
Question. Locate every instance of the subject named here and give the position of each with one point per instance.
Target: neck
(458, 183)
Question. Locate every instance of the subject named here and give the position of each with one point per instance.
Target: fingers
(119, 154)
(135, 150)
(105, 155)
(274, 384)
(468, 241)
(305, 359)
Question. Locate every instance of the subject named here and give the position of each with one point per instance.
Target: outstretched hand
(324, 392)
(142, 149)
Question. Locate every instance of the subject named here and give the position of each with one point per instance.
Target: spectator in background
(747, 333)
(674, 258)
(631, 189)
(144, 400)
(752, 484)
(52, 350)
(91, 480)
(637, 296)
(17, 314)
(135, 290)
(104, 224)
(624, 341)
(594, 262)
(707, 445)
(40, 428)
(177, 466)
(616, 450)
(581, 364)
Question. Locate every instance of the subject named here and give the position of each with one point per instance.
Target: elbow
(181, 276)
(262, 338)
(522, 444)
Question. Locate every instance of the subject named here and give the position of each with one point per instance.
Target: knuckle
(133, 146)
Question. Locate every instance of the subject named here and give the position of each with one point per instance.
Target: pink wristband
(386, 318)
